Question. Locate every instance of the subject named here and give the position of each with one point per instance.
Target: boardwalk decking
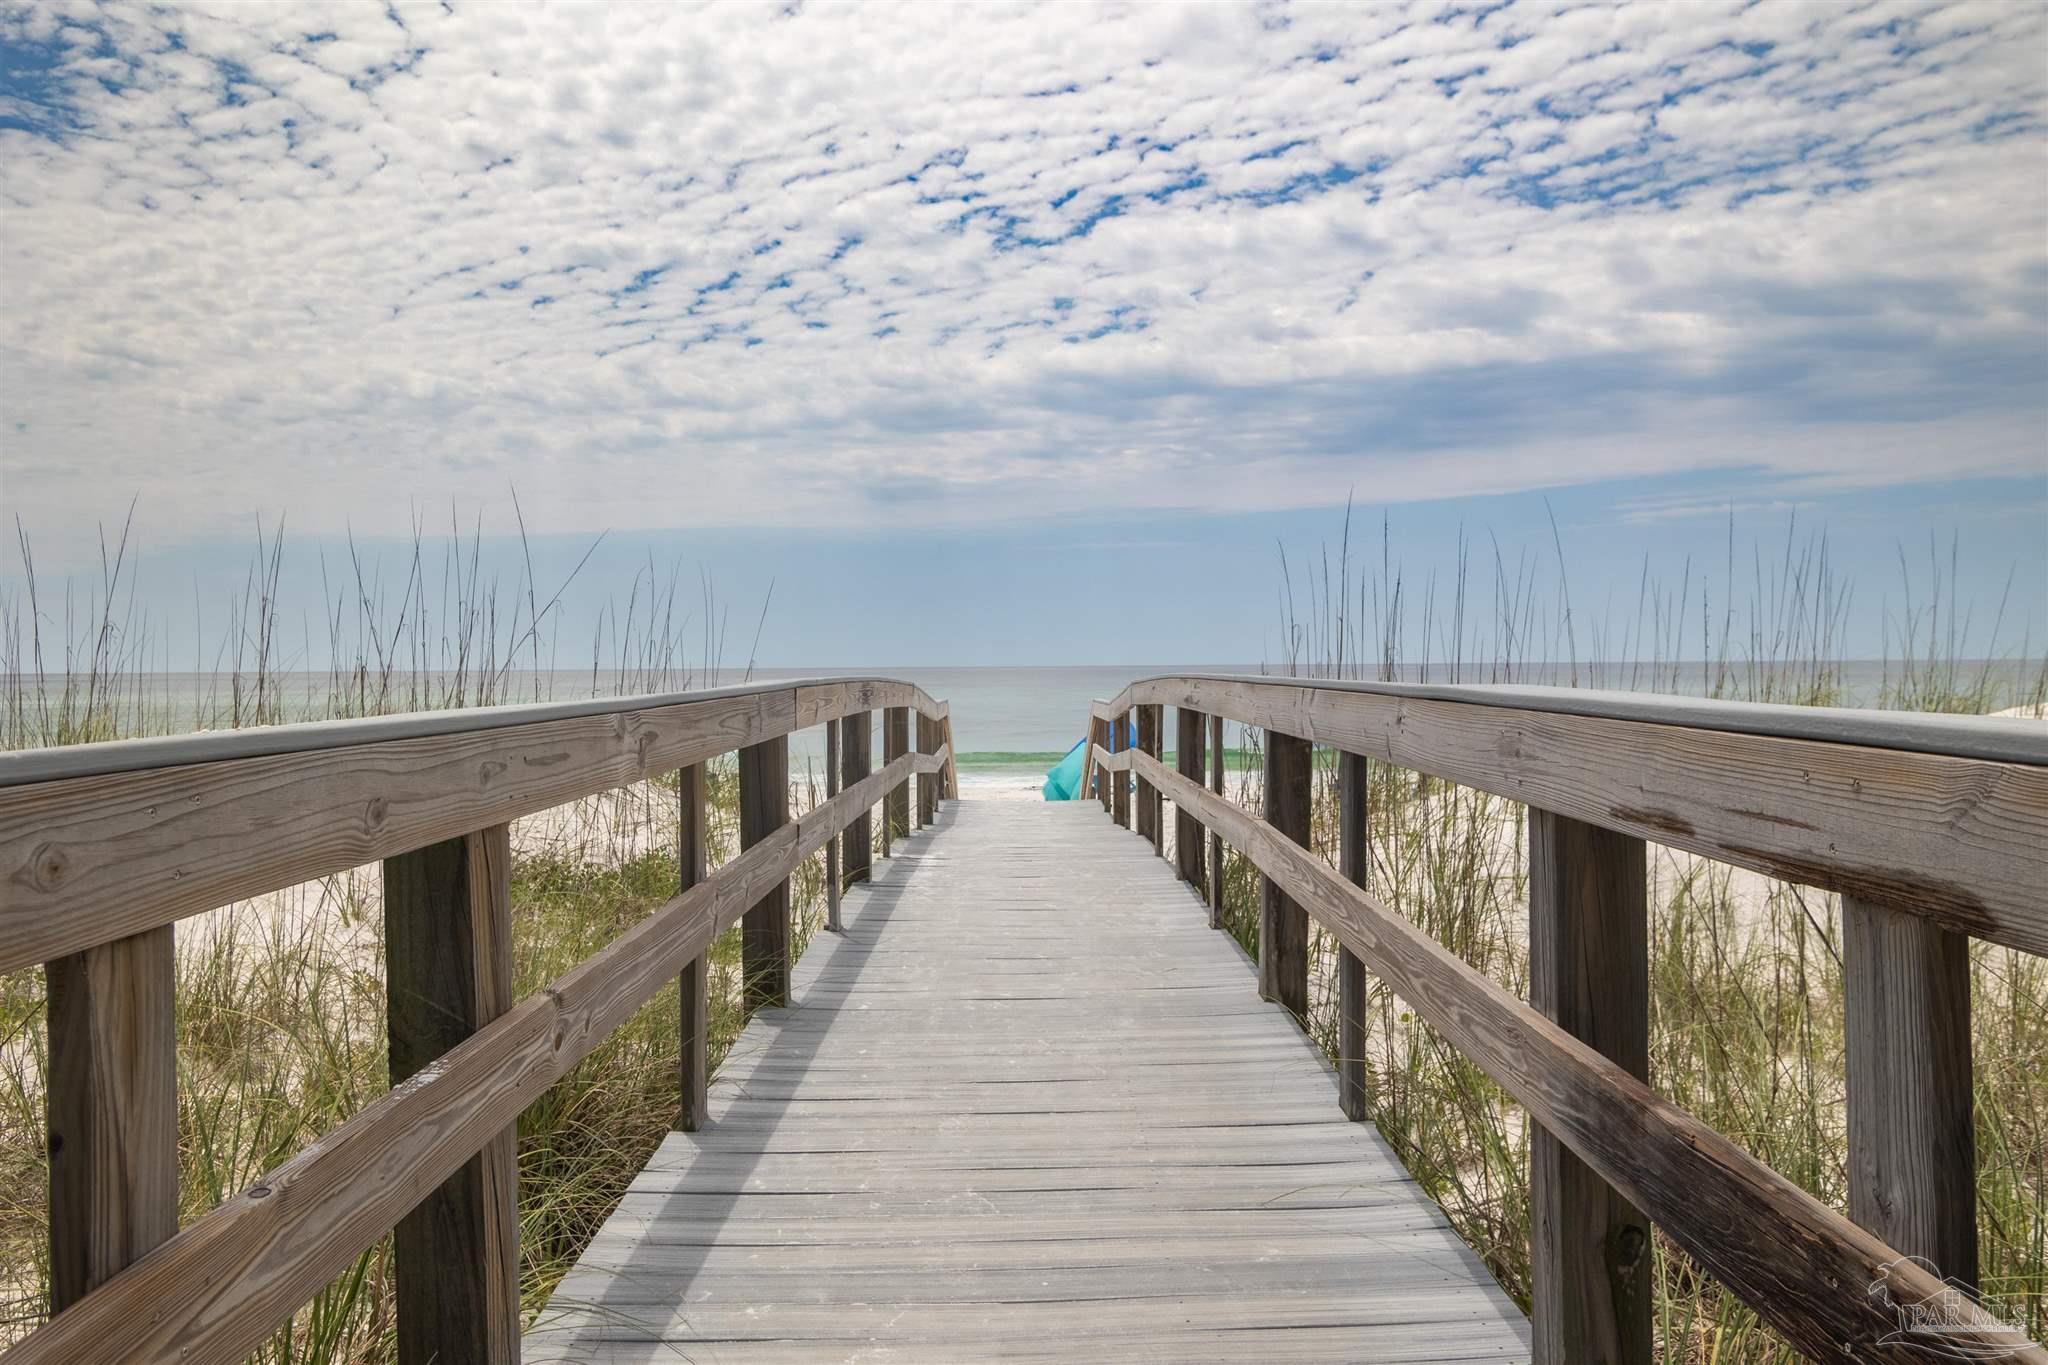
(1028, 1106)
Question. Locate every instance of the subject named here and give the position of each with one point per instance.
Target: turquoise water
(1011, 718)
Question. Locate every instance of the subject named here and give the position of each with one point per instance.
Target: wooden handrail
(104, 841)
(1942, 825)
(1956, 837)
(140, 820)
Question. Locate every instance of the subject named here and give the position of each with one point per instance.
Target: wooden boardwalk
(1028, 1106)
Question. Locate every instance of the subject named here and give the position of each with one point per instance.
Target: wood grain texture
(1152, 821)
(896, 804)
(88, 860)
(448, 973)
(765, 932)
(1589, 972)
(1098, 746)
(1190, 730)
(1217, 762)
(1803, 1267)
(112, 1109)
(693, 852)
(817, 703)
(834, 877)
(857, 843)
(1283, 924)
(1912, 1146)
(1120, 736)
(927, 782)
(1002, 1121)
(1354, 862)
(1955, 840)
(218, 1289)
(950, 772)
(92, 859)
(853, 803)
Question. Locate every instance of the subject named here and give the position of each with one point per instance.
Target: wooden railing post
(927, 783)
(1354, 860)
(949, 789)
(1120, 786)
(1188, 834)
(1098, 731)
(896, 804)
(1152, 819)
(112, 1109)
(448, 972)
(1216, 759)
(1141, 789)
(832, 870)
(1589, 1248)
(694, 985)
(857, 759)
(764, 931)
(1912, 1148)
(1283, 924)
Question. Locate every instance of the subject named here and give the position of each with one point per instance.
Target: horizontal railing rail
(105, 846)
(1953, 836)
(1932, 828)
(101, 841)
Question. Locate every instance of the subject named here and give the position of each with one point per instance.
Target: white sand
(1002, 784)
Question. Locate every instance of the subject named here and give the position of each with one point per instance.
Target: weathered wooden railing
(104, 847)
(1933, 829)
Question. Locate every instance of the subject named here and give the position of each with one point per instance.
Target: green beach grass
(280, 1004)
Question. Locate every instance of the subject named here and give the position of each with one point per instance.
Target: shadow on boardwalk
(1027, 1106)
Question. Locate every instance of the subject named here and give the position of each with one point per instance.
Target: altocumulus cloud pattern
(738, 262)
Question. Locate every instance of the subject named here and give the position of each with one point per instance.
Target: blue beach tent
(1066, 781)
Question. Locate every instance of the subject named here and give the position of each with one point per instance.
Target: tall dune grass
(1746, 1019)
(280, 1001)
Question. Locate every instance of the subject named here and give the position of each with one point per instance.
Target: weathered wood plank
(693, 853)
(896, 804)
(1354, 861)
(850, 804)
(1283, 924)
(1189, 730)
(834, 885)
(996, 1117)
(1149, 809)
(112, 1109)
(1912, 1146)
(764, 934)
(448, 973)
(927, 782)
(217, 1289)
(1783, 1252)
(1589, 971)
(91, 859)
(951, 789)
(817, 703)
(1120, 736)
(857, 843)
(1098, 747)
(1218, 761)
(1955, 840)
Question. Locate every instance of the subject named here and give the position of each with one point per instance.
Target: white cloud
(666, 266)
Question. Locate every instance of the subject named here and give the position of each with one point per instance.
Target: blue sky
(1065, 298)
